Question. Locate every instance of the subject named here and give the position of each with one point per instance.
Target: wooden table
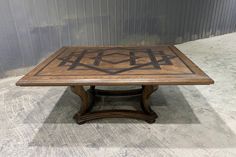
(147, 67)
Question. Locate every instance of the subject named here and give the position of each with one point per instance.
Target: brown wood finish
(146, 66)
(84, 115)
(153, 65)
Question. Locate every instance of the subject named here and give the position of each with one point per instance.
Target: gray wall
(31, 29)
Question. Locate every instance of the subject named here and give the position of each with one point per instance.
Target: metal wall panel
(31, 29)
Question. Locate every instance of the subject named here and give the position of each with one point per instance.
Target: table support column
(88, 100)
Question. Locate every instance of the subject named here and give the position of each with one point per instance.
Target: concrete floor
(194, 120)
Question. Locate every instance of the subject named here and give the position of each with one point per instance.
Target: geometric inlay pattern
(116, 65)
(114, 58)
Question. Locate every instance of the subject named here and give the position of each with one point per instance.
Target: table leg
(145, 101)
(88, 100)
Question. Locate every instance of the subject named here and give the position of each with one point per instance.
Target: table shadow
(168, 103)
(181, 124)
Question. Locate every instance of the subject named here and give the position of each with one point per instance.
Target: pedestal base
(88, 101)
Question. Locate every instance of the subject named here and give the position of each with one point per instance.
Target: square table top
(116, 65)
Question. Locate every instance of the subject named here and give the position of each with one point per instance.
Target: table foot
(81, 119)
(88, 100)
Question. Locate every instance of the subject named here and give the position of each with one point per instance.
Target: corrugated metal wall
(31, 29)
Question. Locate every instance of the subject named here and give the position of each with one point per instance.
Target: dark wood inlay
(77, 61)
(122, 56)
(132, 58)
(163, 64)
(98, 59)
(153, 59)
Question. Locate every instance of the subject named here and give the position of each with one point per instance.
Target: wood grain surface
(142, 65)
